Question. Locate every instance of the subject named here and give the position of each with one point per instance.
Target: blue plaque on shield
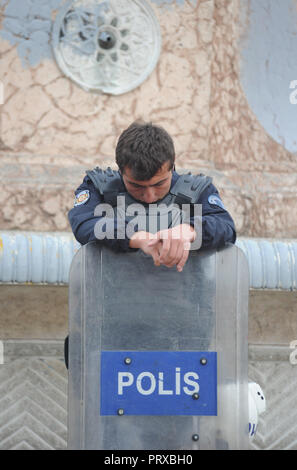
(159, 383)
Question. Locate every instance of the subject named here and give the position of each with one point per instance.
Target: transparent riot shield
(158, 359)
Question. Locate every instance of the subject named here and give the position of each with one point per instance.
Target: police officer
(145, 157)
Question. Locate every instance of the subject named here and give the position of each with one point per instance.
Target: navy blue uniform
(217, 224)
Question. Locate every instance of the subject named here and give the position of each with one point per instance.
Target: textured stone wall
(52, 130)
(30, 312)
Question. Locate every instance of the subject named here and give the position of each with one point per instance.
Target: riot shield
(157, 358)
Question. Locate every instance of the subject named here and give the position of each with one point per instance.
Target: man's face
(152, 190)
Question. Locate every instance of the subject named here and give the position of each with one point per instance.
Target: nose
(149, 195)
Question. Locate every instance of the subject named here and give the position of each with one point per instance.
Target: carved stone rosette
(107, 46)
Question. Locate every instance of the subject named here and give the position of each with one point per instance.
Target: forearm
(217, 231)
(136, 241)
(86, 232)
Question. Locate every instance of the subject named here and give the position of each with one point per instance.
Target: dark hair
(144, 148)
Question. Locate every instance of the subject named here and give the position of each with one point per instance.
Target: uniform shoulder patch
(215, 200)
(82, 197)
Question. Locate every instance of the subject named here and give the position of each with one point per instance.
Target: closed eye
(137, 186)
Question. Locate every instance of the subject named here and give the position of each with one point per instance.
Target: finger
(153, 242)
(155, 253)
(165, 250)
(180, 265)
(159, 236)
(179, 253)
(175, 253)
(157, 257)
(154, 239)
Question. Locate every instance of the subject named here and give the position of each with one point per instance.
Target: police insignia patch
(82, 197)
(215, 201)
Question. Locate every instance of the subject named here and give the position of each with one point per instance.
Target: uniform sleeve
(218, 227)
(86, 224)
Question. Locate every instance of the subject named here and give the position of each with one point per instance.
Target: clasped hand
(168, 247)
